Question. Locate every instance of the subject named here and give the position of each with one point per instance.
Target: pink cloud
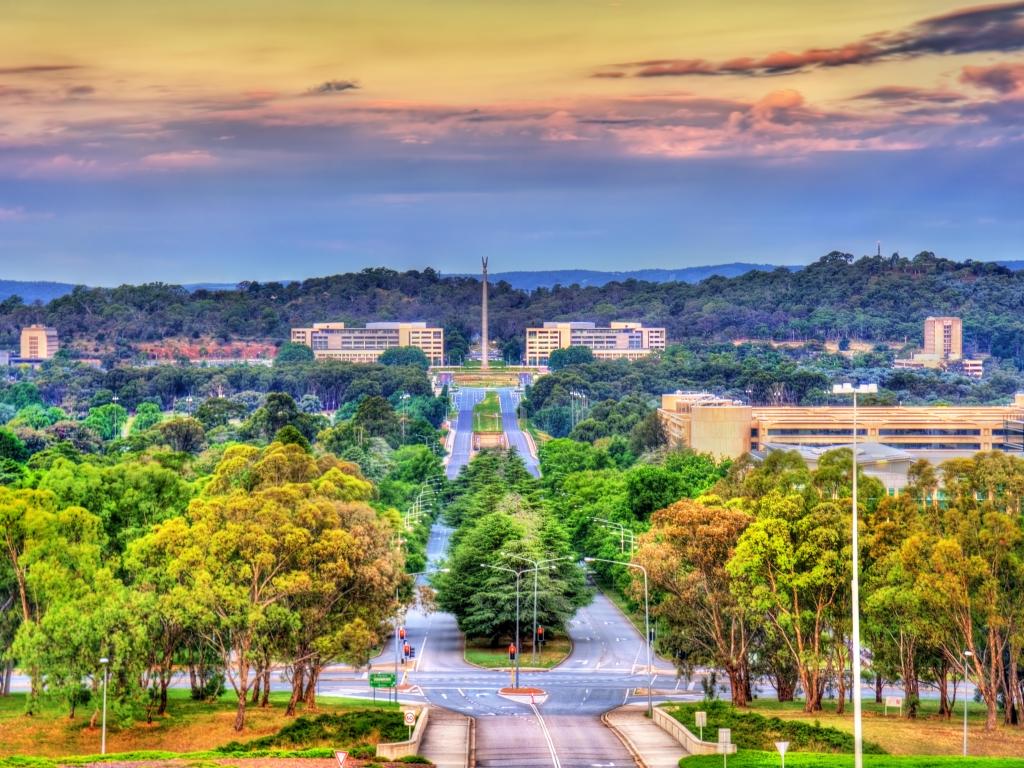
(62, 165)
(175, 161)
(1001, 78)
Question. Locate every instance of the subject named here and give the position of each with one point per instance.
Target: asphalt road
(462, 445)
(509, 399)
(563, 731)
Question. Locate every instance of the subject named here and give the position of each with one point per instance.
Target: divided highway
(462, 443)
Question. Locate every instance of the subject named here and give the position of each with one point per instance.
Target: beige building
(333, 341)
(39, 342)
(944, 337)
(943, 348)
(630, 341)
(728, 428)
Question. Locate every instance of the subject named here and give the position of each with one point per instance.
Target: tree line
(875, 298)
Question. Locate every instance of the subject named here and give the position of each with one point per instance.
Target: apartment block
(621, 339)
(729, 428)
(39, 342)
(334, 341)
(943, 349)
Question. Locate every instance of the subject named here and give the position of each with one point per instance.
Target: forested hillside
(872, 298)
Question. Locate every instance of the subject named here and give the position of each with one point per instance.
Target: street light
(967, 655)
(103, 737)
(647, 623)
(518, 575)
(858, 725)
(536, 571)
(623, 531)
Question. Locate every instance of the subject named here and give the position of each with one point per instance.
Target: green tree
(147, 416)
(183, 434)
(404, 356)
(570, 356)
(106, 420)
(290, 353)
(11, 446)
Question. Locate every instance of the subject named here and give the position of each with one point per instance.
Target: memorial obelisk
(485, 344)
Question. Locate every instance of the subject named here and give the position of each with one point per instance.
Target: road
(462, 444)
(565, 731)
(509, 399)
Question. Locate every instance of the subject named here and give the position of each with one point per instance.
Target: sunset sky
(189, 141)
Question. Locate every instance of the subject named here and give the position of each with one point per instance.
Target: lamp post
(623, 532)
(103, 733)
(518, 575)
(858, 725)
(536, 571)
(647, 623)
(113, 416)
(967, 655)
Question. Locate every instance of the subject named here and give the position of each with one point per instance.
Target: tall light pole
(536, 571)
(858, 724)
(518, 575)
(967, 655)
(103, 733)
(647, 623)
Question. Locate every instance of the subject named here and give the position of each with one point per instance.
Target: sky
(222, 140)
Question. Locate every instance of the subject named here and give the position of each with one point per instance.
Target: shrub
(753, 731)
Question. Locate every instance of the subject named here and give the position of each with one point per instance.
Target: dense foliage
(874, 298)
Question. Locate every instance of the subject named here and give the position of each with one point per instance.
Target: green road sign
(382, 679)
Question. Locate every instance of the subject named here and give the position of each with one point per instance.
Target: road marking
(444, 696)
(547, 736)
(461, 692)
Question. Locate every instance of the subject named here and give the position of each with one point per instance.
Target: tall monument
(485, 344)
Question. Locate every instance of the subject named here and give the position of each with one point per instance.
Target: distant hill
(32, 292)
(531, 280)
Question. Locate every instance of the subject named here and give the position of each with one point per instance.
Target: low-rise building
(728, 428)
(334, 341)
(39, 342)
(622, 339)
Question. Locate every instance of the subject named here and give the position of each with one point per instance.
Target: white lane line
(547, 736)
(463, 693)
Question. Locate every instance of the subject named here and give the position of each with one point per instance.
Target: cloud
(178, 161)
(335, 86)
(78, 91)
(978, 29)
(1001, 78)
(37, 69)
(61, 166)
(19, 213)
(901, 94)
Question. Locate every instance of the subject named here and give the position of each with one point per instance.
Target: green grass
(759, 759)
(188, 727)
(487, 414)
(753, 731)
(554, 652)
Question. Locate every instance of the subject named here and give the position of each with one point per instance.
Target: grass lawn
(553, 652)
(188, 726)
(754, 759)
(487, 414)
(927, 735)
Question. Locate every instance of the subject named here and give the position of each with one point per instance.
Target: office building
(333, 341)
(943, 349)
(728, 428)
(630, 341)
(39, 342)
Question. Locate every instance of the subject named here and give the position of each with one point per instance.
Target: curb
(626, 741)
(471, 752)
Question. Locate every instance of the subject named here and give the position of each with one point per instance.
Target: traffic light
(512, 652)
(405, 649)
(401, 633)
(540, 635)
